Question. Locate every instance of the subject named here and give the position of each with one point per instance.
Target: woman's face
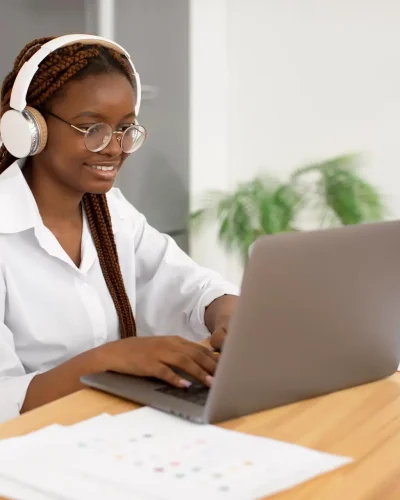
(107, 98)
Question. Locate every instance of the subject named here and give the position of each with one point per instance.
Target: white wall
(209, 126)
(307, 80)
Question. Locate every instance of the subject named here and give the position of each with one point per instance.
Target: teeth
(105, 169)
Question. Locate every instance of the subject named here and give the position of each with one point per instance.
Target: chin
(105, 188)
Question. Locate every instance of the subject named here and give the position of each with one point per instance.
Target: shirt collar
(19, 211)
(18, 208)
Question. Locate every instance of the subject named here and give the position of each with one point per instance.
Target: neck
(55, 201)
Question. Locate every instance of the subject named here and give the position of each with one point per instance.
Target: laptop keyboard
(196, 393)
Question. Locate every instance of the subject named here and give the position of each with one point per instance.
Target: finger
(188, 365)
(206, 343)
(198, 347)
(203, 356)
(205, 360)
(217, 339)
(164, 372)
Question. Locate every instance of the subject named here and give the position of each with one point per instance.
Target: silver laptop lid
(319, 311)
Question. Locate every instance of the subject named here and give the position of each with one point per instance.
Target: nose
(114, 147)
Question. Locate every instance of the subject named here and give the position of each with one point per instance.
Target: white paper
(150, 455)
(15, 491)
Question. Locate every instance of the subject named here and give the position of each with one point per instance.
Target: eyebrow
(91, 114)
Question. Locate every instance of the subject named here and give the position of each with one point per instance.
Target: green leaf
(198, 214)
(332, 189)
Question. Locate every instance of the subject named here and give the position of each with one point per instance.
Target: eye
(122, 128)
(87, 126)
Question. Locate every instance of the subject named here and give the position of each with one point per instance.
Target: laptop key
(196, 393)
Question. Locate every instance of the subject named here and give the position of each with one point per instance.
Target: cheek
(65, 144)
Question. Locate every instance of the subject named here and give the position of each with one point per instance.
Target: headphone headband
(29, 68)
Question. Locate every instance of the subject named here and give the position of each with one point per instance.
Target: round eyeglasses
(98, 136)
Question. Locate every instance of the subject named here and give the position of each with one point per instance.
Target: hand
(217, 317)
(156, 356)
(218, 337)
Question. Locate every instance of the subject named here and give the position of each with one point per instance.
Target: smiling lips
(104, 168)
(103, 171)
(99, 167)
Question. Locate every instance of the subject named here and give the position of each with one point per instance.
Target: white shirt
(51, 311)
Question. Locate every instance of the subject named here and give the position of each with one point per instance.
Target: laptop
(319, 312)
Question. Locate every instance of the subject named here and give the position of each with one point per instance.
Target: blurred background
(275, 115)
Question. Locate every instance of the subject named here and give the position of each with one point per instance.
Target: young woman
(86, 285)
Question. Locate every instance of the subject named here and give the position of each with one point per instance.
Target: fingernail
(185, 383)
(209, 379)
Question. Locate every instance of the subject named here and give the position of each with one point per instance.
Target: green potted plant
(332, 192)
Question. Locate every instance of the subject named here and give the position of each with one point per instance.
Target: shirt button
(82, 285)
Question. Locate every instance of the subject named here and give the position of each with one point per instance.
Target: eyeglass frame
(121, 133)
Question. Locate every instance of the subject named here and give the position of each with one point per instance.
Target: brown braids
(67, 63)
(99, 219)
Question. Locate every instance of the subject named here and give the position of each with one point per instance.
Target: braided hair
(65, 64)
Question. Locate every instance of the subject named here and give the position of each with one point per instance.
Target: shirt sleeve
(172, 291)
(14, 381)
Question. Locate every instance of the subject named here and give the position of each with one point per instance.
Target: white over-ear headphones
(23, 129)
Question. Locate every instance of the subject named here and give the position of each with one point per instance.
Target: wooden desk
(363, 423)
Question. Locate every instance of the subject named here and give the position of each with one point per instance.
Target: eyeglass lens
(98, 137)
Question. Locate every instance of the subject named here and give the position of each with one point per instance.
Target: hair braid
(101, 229)
(74, 62)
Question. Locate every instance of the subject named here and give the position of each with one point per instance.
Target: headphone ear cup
(41, 128)
(23, 133)
(16, 133)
